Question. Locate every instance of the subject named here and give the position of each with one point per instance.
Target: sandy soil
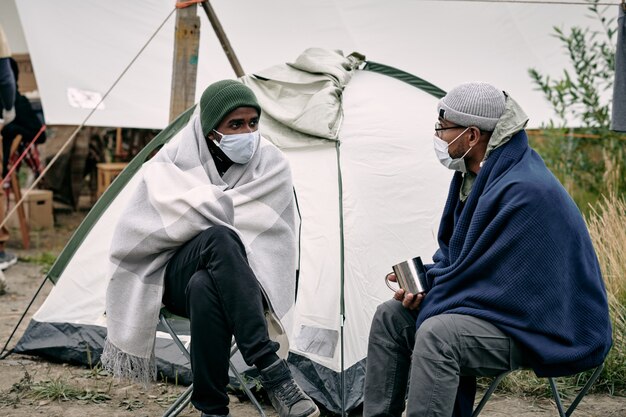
(21, 377)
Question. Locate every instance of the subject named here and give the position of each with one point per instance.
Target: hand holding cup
(411, 277)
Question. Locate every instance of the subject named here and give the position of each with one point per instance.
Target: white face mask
(441, 150)
(240, 147)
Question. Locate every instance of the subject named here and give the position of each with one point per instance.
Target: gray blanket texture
(181, 194)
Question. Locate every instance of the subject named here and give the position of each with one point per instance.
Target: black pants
(209, 281)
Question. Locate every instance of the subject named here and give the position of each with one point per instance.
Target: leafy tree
(592, 54)
(587, 160)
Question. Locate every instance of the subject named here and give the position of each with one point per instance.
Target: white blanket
(180, 195)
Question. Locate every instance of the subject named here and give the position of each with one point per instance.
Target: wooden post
(17, 192)
(118, 143)
(21, 214)
(185, 66)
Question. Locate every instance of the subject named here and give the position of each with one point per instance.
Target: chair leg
(557, 397)
(184, 399)
(490, 391)
(181, 402)
(579, 397)
(175, 338)
(583, 392)
(245, 388)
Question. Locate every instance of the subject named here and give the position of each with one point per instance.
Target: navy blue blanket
(518, 254)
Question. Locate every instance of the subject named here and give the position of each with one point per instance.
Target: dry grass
(607, 227)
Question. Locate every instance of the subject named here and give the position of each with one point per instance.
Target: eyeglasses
(439, 128)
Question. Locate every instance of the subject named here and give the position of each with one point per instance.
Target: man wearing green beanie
(211, 228)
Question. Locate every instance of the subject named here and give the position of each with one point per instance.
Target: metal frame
(183, 400)
(553, 388)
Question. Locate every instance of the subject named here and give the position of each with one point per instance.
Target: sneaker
(286, 396)
(7, 259)
(8, 115)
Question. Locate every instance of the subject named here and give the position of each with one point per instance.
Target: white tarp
(85, 44)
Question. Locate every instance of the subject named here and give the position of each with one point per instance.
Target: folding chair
(183, 400)
(553, 388)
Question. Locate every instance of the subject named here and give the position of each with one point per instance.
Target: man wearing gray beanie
(210, 233)
(515, 281)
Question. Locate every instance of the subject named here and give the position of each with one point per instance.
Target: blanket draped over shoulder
(518, 254)
(179, 195)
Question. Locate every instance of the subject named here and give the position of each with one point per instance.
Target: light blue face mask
(239, 148)
(441, 150)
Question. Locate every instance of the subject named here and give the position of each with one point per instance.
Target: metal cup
(411, 276)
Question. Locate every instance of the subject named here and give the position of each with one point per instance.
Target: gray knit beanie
(222, 97)
(473, 104)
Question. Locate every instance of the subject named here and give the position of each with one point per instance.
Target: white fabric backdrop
(85, 44)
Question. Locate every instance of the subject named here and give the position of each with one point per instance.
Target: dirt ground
(26, 381)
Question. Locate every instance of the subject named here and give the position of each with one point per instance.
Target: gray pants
(435, 356)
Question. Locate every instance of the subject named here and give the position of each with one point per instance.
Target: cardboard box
(38, 208)
(27, 81)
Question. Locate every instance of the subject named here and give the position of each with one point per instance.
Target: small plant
(95, 397)
(24, 384)
(17, 391)
(45, 259)
(97, 372)
(55, 389)
(131, 404)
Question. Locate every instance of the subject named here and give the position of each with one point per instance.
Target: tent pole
(221, 35)
(185, 62)
(342, 306)
(2, 355)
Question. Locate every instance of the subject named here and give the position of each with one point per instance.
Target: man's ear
(475, 135)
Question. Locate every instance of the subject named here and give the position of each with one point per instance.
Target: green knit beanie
(222, 97)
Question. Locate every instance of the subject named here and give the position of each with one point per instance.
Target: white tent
(370, 193)
(83, 45)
